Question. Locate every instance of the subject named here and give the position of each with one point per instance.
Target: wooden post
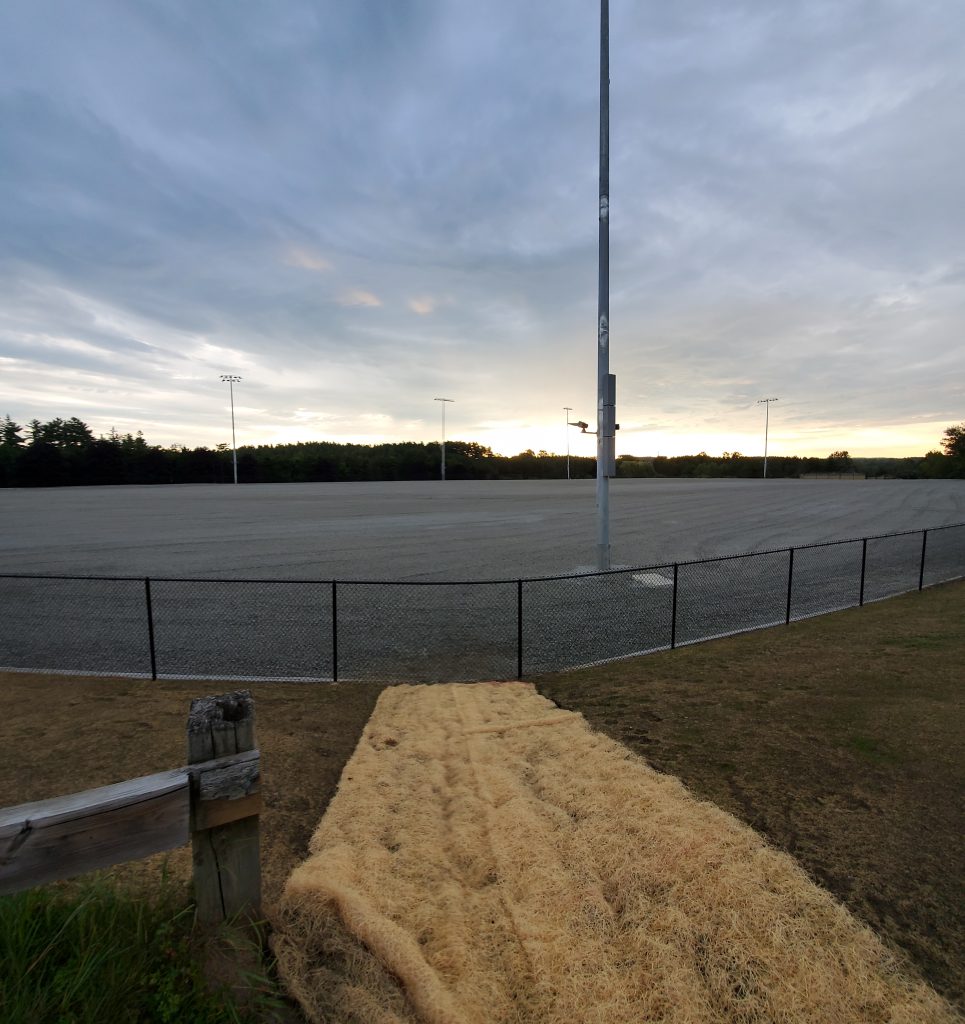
(227, 870)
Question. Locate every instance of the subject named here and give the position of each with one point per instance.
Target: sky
(360, 207)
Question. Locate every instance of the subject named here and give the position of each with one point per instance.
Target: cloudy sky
(361, 206)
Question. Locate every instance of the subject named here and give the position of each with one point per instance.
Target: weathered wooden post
(225, 803)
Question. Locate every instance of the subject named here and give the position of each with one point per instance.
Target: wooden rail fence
(213, 802)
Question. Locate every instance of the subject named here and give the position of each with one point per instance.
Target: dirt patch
(63, 734)
(839, 738)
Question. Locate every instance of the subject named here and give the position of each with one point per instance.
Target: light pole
(230, 379)
(605, 383)
(567, 409)
(443, 462)
(766, 402)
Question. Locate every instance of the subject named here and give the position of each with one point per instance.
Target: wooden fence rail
(212, 802)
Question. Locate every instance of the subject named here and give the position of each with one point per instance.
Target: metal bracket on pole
(610, 427)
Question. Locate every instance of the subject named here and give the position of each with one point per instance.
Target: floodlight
(766, 402)
(443, 450)
(231, 379)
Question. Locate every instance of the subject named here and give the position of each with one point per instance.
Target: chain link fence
(432, 631)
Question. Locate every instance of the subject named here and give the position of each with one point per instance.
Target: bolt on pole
(605, 440)
(230, 379)
(442, 469)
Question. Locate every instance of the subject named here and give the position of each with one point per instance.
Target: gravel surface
(284, 621)
(435, 531)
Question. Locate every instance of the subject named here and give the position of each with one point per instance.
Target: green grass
(918, 643)
(872, 750)
(94, 952)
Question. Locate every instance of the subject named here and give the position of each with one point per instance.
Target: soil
(840, 739)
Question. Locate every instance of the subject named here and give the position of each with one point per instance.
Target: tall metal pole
(442, 475)
(567, 409)
(603, 302)
(231, 380)
(766, 402)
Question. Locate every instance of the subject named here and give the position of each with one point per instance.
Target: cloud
(423, 306)
(358, 297)
(306, 259)
(780, 197)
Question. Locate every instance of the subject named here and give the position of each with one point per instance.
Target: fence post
(334, 632)
(921, 571)
(864, 559)
(519, 629)
(227, 870)
(790, 579)
(150, 626)
(673, 611)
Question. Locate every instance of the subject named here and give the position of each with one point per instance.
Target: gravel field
(434, 531)
(286, 622)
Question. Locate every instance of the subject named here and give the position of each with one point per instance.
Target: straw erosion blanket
(490, 858)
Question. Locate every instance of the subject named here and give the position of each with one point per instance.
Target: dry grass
(841, 739)
(66, 734)
(488, 858)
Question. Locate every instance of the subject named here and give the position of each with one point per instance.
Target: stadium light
(567, 409)
(230, 379)
(443, 463)
(766, 402)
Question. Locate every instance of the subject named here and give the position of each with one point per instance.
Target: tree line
(66, 452)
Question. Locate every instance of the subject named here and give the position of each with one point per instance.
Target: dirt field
(840, 738)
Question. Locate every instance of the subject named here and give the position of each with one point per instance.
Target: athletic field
(436, 531)
(267, 552)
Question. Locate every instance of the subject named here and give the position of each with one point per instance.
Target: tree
(10, 433)
(839, 462)
(953, 441)
(53, 431)
(75, 432)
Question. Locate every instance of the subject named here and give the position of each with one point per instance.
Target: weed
(918, 643)
(871, 749)
(89, 952)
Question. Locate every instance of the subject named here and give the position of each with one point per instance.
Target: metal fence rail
(332, 630)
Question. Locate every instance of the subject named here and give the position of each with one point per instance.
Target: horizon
(104, 434)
